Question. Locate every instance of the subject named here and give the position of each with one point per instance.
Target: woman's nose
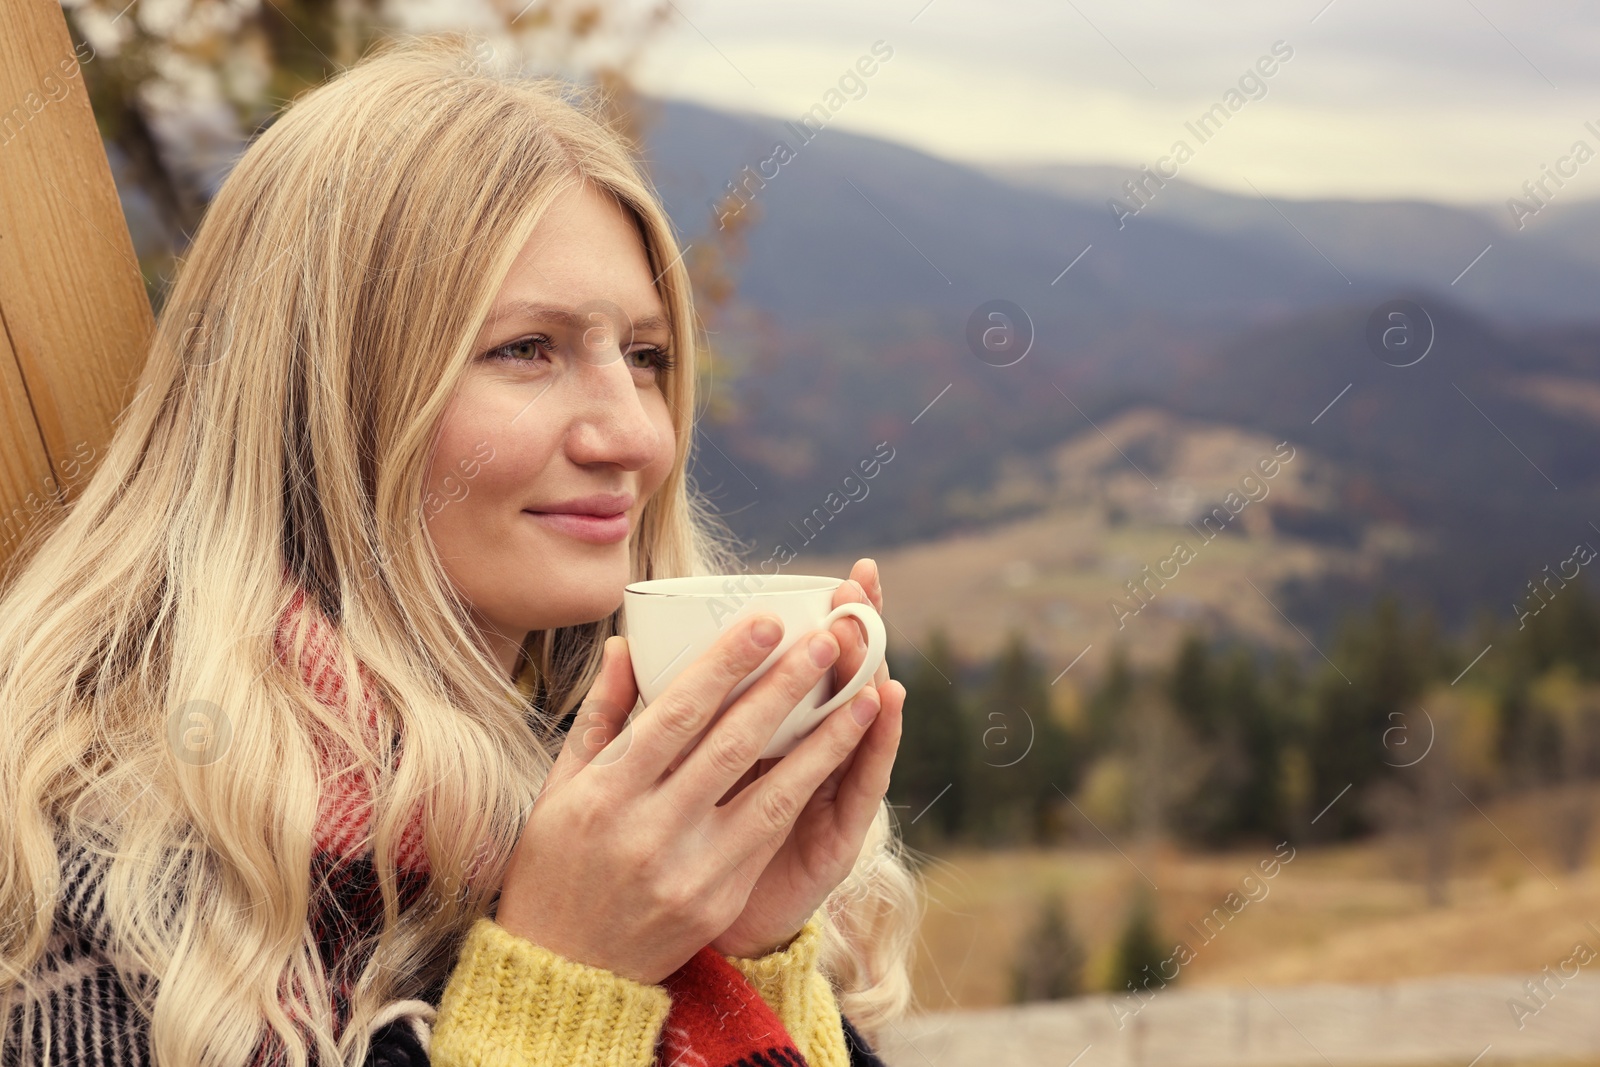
(612, 423)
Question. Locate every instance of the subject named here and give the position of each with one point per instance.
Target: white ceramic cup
(671, 622)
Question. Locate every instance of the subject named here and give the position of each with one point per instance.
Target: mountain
(1545, 270)
(1486, 445)
(1060, 567)
(868, 261)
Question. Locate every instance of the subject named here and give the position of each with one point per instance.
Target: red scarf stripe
(717, 1019)
(344, 810)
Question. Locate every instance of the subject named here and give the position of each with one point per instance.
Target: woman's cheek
(666, 446)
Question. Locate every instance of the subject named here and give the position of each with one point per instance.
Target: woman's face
(561, 420)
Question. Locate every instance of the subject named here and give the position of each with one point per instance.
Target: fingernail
(865, 706)
(766, 631)
(824, 650)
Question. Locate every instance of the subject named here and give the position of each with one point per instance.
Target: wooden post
(74, 316)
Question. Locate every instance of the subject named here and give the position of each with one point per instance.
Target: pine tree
(1383, 665)
(933, 747)
(1108, 705)
(1050, 961)
(1261, 738)
(1140, 951)
(1023, 755)
(1223, 703)
(1191, 686)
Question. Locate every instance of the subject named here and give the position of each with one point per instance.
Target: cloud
(1432, 99)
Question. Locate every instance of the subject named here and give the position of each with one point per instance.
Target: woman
(424, 283)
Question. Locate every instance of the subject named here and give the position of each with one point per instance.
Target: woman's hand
(826, 839)
(627, 867)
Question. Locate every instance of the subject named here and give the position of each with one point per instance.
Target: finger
(772, 803)
(867, 780)
(693, 699)
(849, 632)
(865, 572)
(755, 771)
(602, 718)
(829, 789)
(735, 741)
(861, 574)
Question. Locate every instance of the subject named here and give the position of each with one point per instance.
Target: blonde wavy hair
(321, 320)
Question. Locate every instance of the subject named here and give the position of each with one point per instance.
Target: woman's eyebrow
(568, 317)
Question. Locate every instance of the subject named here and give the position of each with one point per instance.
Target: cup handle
(877, 645)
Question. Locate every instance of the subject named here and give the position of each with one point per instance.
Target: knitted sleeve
(791, 983)
(510, 1001)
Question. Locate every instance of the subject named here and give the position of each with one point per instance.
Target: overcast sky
(1455, 100)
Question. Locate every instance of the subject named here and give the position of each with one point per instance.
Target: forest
(1399, 731)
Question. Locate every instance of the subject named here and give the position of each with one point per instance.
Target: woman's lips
(596, 529)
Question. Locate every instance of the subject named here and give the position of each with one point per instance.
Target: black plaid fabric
(85, 1015)
(861, 1053)
(396, 1045)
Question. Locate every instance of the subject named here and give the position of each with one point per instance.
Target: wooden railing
(74, 315)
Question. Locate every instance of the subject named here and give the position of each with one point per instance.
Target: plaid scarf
(716, 1018)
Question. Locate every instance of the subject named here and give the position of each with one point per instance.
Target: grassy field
(1331, 914)
(1057, 571)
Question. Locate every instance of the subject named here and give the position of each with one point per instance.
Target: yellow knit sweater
(512, 1002)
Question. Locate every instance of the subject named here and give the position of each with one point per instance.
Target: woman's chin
(592, 608)
(588, 617)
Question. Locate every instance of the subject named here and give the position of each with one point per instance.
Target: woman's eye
(530, 349)
(654, 357)
(522, 350)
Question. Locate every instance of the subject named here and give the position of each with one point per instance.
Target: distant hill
(1549, 269)
(1488, 445)
(1082, 521)
(869, 258)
